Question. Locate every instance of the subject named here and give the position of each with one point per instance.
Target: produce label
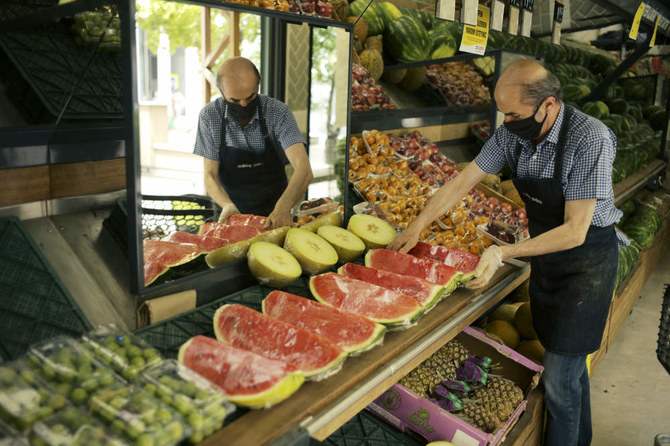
(475, 37)
(497, 13)
(636, 21)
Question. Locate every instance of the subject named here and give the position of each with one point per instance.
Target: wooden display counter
(625, 189)
(319, 408)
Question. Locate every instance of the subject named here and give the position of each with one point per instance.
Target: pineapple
(498, 405)
(506, 388)
(479, 417)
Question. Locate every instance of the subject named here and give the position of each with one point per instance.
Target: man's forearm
(216, 191)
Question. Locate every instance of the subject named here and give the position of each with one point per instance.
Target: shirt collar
(552, 137)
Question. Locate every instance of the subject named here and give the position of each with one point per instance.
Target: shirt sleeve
(491, 159)
(591, 174)
(205, 145)
(286, 128)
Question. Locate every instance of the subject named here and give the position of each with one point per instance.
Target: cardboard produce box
(404, 410)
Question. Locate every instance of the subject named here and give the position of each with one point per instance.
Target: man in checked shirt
(562, 163)
(246, 139)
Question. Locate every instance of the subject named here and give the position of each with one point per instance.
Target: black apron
(254, 181)
(570, 291)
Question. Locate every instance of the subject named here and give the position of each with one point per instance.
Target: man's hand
(227, 210)
(404, 241)
(277, 219)
(488, 264)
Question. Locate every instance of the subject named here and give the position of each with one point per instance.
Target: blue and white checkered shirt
(587, 162)
(278, 117)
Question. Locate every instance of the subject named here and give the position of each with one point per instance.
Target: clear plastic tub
(140, 417)
(516, 233)
(199, 401)
(73, 427)
(127, 354)
(321, 207)
(71, 370)
(24, 397)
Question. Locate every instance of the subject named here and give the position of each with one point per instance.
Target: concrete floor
(630, 390)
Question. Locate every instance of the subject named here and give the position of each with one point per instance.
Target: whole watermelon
(374, 15)
(391, 11)
(406, 39)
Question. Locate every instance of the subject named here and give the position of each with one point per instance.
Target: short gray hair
(538, 90)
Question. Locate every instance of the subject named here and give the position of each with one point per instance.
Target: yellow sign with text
(635, 27)
(475, 37)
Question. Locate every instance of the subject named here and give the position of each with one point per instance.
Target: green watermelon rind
(399, 323)
(319, 374)
(375, 339)
(407, 40)
(280, 391)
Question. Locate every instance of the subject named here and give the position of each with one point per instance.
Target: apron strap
(222, 143)
(269, 141)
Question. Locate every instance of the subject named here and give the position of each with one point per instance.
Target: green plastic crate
(34, 303)
(364, 429)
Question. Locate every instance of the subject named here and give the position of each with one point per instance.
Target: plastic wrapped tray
(198, 400)
(73, 427)
(24, 397)
(124, 352)
(517, 232)
(70, 369)
(139, 417)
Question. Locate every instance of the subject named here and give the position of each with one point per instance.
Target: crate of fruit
(124, 352)
(73, 427)
(199, 401)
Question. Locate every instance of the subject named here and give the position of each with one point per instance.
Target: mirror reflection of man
(246, 139)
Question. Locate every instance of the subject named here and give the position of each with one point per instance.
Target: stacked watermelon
(628, 257)
(642, 225)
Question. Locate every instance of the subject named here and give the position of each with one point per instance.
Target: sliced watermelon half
(247, 379)
(206, 243)
(464, 262)
(256, 221)
(352, 333)
(426, 293)
(231, 233)
(376, 303)
(316, 357)
(406, 264)
(160, 256)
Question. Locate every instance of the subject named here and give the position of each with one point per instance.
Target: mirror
(303, 66)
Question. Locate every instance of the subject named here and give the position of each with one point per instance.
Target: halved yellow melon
(314, 254)
(334, 218)
(272, 265)
(347, 245)
(375, 232)
(238, 250)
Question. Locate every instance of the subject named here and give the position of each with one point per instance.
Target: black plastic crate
(34, 304)
(663, 348)
(365, 429)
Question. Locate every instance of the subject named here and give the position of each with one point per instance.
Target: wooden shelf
(625, 189)
(319, 408)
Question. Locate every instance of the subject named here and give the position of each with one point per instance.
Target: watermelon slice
(410, 265)
(426, 293)
(353, 334)
(464, 262)
(256, 221)
(316, 357)
(246, 378)
(160, 255)
(378, 304)
(232, 233)
(206, 243)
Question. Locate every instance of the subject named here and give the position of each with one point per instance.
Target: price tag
(446, 10)
(475, 37)
(513, 20)
(497, 13)
(469, 12)
(653, 37)
(558, 20)
(635, 27)
(527, 17)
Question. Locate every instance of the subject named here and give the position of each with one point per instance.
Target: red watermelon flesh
(205, 242)
(159, 255)
(462, 261)
(246, 378)
(406, 264)
(350, 332)
(426, 293)
(316, 357)
(231, 233)
(378, 304)
(256, 221)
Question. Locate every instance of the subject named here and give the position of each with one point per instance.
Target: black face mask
(243, 112)
(527, 128)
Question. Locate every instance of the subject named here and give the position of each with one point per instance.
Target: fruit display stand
(319, 408)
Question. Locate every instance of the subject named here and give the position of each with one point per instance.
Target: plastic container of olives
(140, 417)
(73, 427)
(126, 353)
(197, 399)
(24, 397)
(70, 369)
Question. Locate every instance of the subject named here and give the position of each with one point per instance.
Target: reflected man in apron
(246, 140)
(562, 163)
